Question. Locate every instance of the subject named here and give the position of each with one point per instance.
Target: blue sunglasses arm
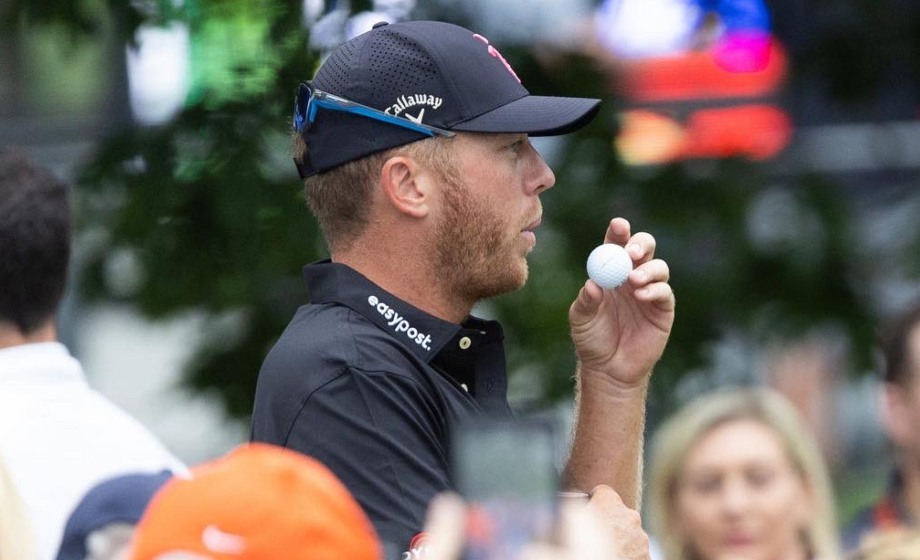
(365, 112)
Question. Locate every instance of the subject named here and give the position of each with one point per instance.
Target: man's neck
(410, 282)
(10, 335)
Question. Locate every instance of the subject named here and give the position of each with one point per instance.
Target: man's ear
(894, 412)
(406, 186)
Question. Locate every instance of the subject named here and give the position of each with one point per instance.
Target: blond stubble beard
(473, 254)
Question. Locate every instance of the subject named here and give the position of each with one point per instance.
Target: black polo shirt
(371, 386)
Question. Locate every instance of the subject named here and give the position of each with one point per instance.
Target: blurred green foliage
(209, 208)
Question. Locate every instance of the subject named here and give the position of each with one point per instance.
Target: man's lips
(533, 225)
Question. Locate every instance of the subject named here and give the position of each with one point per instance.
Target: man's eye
(516, 146)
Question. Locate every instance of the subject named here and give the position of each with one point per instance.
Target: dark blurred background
(786, 203)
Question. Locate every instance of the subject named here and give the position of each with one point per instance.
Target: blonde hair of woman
(678, 436)
(15, 532)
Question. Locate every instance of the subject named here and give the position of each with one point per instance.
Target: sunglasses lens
(301, 107)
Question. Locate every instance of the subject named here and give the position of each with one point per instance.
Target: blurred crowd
(735, 474)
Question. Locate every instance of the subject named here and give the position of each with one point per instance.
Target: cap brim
(536, 115)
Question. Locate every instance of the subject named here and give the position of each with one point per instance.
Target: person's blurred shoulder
(900, 543)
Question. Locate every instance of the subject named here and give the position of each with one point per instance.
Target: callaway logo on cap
(408, 81)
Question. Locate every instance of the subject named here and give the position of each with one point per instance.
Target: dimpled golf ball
(609, 265)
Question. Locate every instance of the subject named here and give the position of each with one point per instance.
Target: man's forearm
(608, 437)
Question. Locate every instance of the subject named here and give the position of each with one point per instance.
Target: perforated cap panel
(397, 62)
(433, 73)
(337, 72)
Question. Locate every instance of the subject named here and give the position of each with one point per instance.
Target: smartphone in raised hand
(505, 471)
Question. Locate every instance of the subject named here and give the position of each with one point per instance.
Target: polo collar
(421, 333)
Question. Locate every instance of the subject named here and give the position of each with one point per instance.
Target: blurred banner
(700, 79)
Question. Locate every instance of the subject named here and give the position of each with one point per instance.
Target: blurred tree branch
(209, 208)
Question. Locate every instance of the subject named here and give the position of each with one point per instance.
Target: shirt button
(465, 388)
(465, 342)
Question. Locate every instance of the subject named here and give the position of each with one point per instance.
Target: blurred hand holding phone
(582, 535)
(505, 471)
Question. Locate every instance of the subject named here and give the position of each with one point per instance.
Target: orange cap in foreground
(258, 502)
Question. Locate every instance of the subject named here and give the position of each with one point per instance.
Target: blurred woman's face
(740, 498)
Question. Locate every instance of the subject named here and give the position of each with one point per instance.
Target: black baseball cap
(429, 72)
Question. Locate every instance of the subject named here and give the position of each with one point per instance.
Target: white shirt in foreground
(60, 438)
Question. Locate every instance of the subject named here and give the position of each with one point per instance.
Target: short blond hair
(676, 438)
(341, 198)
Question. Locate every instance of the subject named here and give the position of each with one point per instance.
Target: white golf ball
(609, 265)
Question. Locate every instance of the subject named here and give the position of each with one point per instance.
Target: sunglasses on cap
(309, 100)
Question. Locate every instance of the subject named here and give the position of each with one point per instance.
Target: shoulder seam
(306, 399)
(354, 340)
(345, 369)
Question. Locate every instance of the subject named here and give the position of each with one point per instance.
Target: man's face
(488, 212)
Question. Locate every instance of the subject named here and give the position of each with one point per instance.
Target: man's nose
(541, 177)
